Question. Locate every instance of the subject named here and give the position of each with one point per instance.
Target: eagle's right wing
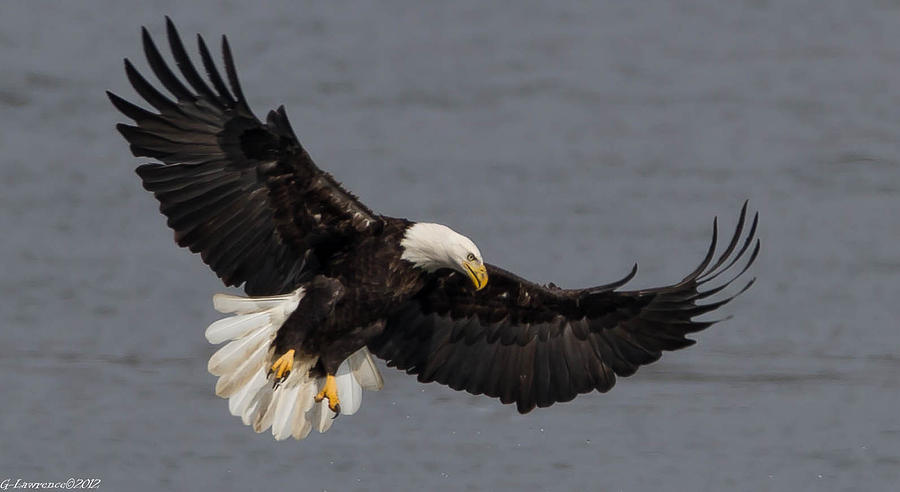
(242, 193)
(534, 345)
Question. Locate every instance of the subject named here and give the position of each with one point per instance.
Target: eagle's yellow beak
(477, 273)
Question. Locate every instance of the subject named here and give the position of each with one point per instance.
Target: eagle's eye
(470, 257)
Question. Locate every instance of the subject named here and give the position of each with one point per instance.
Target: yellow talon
(281, 368)
(330, 392)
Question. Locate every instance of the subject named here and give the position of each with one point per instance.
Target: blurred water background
(568, 139)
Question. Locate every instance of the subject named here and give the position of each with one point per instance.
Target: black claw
(337, 411)
(277, 381)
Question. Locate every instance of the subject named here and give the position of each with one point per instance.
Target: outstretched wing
(534, 345)
(242, 193)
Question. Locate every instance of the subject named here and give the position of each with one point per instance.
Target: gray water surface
(569, 140)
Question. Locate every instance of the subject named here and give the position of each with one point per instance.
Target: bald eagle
(330, 283)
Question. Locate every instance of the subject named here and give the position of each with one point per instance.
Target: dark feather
(235, 189)
(184, 63)
(535, 345)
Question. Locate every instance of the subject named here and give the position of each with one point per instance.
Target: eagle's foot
(281, 368)
(330, 392)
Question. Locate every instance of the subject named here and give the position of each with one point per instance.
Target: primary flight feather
(330, 282)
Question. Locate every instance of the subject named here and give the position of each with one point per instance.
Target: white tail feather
(289, 409)
(249, 413)
(239, 401)
(306, 398)
(236, 327)
(320, 415)
(265, 413)
(234, 381)
(284, 412)
(365, 370)
(226, 303)
(349, 390)
(230, 357)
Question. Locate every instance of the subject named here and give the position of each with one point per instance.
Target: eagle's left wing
(535, 345)
(243, 193)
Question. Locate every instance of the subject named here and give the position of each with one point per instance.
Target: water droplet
(444, 475)
(819, 476)
(587, 441)
(331, 462)
(542, 429)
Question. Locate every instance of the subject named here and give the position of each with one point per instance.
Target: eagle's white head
(432, 247)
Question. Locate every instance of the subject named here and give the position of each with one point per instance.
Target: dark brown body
(345, 305)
